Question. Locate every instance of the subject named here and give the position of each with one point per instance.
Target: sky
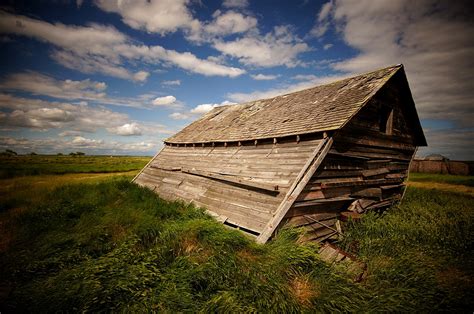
(119, 77)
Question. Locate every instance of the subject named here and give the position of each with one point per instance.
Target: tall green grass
(115, 246)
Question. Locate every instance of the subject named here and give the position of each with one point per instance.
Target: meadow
(25, 165)
(96, 242)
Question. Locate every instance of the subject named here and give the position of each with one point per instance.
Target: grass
(442, 178)
(108, 245)
(14, 166)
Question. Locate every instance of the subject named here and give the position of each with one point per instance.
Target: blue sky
(118, 77)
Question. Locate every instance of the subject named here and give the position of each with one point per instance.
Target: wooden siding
(364, 170)
(243, 185)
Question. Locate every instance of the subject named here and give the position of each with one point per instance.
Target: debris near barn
(298, 159)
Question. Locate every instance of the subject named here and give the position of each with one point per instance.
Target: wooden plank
(361, 183)
(305, 175)
(172, 181)
(233, 179)
(374, 172)
(369, 193)
(323, 201)
(165, 168)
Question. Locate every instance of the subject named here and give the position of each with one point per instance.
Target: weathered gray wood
(233, 179)
(298, 185)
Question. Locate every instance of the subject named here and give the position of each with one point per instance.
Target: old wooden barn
(300, 158)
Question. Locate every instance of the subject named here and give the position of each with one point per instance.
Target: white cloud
(84, 144)
(171, 83)
(44, 115)
(322, 26)
(103, 49)
(40, 84)
(264, 77)
(235, 3)
(179, 116)
(279, 47)
(325, 10)
(432, 39)
(164, 101)
(230, 22)
(163, 16)
(327, 46)
(204, 108)
(127, 129)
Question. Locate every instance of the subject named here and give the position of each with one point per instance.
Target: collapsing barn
(299, 159)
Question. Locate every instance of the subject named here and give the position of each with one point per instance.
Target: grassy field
(101, 243)
(14, 166)
(442, 178)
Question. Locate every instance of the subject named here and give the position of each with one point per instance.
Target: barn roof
(321, 108)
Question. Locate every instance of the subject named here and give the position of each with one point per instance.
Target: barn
(302, 159)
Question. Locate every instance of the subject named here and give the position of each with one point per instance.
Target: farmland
(14, 166)
(92, 241)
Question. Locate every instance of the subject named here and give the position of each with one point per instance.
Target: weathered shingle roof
(321, 108)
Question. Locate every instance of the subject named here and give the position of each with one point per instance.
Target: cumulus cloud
(84, 144)
(128, 129)
(163, 16)
(204, 108)
(40, 84)
(198, 110)
(278, 47)
(222, 24)
(164, 101)
(432, 39)
(103, 49)
(264, 77)
(44, 115)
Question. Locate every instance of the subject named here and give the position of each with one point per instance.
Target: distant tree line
(10, 153)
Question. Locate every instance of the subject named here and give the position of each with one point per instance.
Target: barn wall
(235, 182)
(364, 164)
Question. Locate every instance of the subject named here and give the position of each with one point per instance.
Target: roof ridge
(399, 65)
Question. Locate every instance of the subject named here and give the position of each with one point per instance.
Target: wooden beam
(298, 185)
(233, 179)
(165, 168)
